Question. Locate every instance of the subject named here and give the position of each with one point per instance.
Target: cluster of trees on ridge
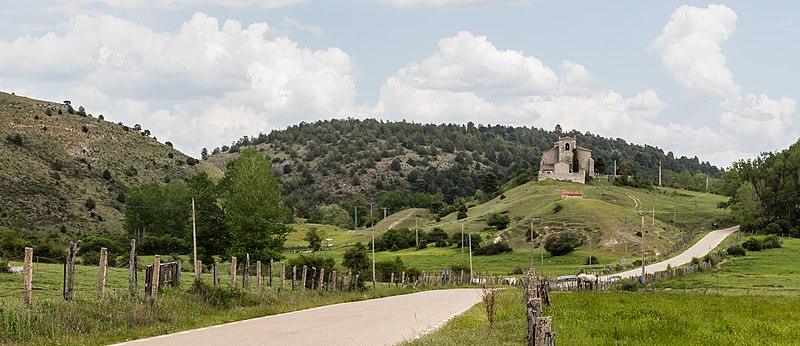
(764, 192)
(345, 161)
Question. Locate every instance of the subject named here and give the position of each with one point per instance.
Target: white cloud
(293, 23)
(759, 120)
(206, 84)
(690, 48)
(416, 4)
(75, 5)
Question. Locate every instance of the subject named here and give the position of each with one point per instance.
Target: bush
(384, 270)
(224, 297)
(628, 286)
(773, 228)
(562, 243)
(437, 236)
(48, 252)
(311, 261)
(736, 250)
(753, 244)
(396, 239)
(771, 242)
(90, 204)
(4, 267)
(85, 129)
(106, 175)
(500, 222)
(591, 260)
(15, 139)
(492, 249)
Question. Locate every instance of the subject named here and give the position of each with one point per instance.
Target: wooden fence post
(233, 272)
(156, 272)
(294, 277)
(103, 266)
(198, 271)
(270, 273)
(215, 274)
(313, 277)
(333, 281)
(246, 272)
(321, 279)
(303, 281)
(176, 274)
(132, 269)
(391, 280)
(27, 271)
(349, 279)
(283, 275)
(70, 292)
(258, 276)
(544, 335)
(403, 279)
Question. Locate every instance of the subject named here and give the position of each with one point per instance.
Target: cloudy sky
(698, 78)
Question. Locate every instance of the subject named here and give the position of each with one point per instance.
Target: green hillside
(53, 158)
(345, 160)
(605, 215)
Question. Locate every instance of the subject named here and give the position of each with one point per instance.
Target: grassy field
(770, 272)
(605, 215)
(89, 320)
(624, 318)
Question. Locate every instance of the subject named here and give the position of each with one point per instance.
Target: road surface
(700, 249)
(382, 321)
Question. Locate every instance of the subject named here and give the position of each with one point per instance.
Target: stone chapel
(558, 163)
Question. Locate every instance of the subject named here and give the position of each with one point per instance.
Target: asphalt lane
(699, 249)
(382, 321)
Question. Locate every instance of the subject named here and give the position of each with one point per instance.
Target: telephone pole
(416, 229)
(373, 244)
(355, 218)
(659, 173)
(194, 240)
(532, 221)
(462, 242)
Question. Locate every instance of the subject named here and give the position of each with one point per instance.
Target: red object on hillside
(571, 194)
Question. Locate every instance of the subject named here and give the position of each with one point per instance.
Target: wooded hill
(345, 161)
(63, 170)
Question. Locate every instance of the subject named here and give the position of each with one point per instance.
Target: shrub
(85, 129)
(500, 222)
(396, 239)
(4, 267)
(753, 244)
(562, 243)
(557, 208)
(492, 249)
(437, 236)
(48, 252)
(311, 261)
(15, 139)
(462, 212)
(773, 228)
(736, 250)
(694, 261)
(771, 242)
(628, 286)
(106, 175)
(224, 297)
(591, 260)
(90, 204)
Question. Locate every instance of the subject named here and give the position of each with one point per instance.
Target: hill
(344, 161)
(64, 170)
(605, 219)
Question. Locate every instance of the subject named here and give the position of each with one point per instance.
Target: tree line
(343, 161)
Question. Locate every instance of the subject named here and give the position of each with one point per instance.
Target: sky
(712, 80)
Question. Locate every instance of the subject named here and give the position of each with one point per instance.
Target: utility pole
(532, 221)
(643, 272)
(194, 243)
(615, 168)
(416, 229)
(470, 258)
(355, 218)
(373, 244)
(659, 173)
(590, 253)
(654, 212)
(706, 184)
(384, 212)
(462, 243)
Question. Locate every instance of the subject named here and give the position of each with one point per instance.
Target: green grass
(772, 271)
(605, 214)
(622, 318)
(118, 317)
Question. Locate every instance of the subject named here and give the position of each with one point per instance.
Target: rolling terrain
(66, 171)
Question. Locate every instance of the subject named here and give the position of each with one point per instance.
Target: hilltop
(346, 161)
(65, 170)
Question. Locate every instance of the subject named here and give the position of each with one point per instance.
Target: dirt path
(700, 249)
(384, 321)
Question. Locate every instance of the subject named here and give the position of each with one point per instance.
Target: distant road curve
(382, 321)
(700, 249)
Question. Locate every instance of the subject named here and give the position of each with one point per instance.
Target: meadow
(626, 318)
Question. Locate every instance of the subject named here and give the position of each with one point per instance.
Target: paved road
(382, 321)
(700, 249)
